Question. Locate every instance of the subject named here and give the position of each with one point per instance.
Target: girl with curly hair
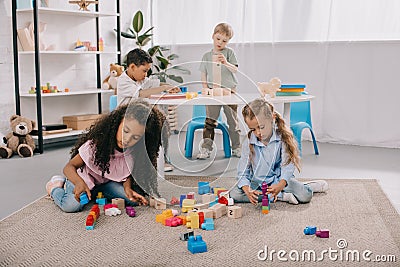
(270, 155)
(117, 156)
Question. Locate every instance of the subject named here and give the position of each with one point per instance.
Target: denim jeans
(64, 197)
(302, 192)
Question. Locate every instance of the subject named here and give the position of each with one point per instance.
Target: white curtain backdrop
(346, 52)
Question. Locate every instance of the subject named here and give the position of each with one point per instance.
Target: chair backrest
(113, 102)
(199, 113)
(300, 112)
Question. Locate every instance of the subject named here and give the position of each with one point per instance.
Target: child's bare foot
(55, 181)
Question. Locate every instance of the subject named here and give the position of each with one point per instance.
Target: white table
(234, 99)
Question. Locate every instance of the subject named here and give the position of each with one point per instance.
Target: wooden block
(160, 203)
(208, 198)
(120, 202)
(234, 212)
(208, 213)
(201, 206)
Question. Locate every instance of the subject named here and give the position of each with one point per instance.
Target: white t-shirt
(128, 88)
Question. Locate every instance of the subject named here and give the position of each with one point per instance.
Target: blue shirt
(267, 162)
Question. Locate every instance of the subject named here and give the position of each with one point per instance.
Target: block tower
(265, 201)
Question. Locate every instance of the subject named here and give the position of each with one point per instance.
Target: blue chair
(113, 102)
(300, 119)
(197, 122)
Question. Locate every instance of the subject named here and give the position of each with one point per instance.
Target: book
(293, 86)
(51, 127)
(25, 39)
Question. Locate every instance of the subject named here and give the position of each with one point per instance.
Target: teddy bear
(111, 81)
(19, 141)
(270, 87)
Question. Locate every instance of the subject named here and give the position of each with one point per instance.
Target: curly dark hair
(145, 152)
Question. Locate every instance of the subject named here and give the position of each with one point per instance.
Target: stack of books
(291, 89)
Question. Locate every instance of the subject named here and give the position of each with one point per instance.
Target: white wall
(356, 84)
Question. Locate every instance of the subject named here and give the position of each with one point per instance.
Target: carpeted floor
(356, 211)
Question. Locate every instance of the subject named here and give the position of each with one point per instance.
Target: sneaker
(168, 167)
(237, 152)
(55, 181)
(318, 186)
(204, 153)
(290, 198)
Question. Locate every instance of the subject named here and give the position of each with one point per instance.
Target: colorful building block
(190, 195)
(100, 199)
(173, 221)
(323, 233)
(83, 198)
(182, 197)
(188, 204)
(163, 216)
(196, 244)
(207, 213)
(208, 224)
(130, 211)
(203, 188)
(310, 230)
(185, 236)
(174, 201)
(265, 201)
(234, 212)
(192, 220)
(91, 219)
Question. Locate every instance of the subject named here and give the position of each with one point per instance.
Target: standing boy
(225, 56)
(134, 83)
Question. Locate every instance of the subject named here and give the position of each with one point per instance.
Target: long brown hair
(261, 107)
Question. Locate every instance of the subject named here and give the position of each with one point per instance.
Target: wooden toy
(218, 210)
(160, 203)
(270, 87)
(265, 200)
(83, 4)
(120, 202)
(185, 236)
(216, 72)
(200, 206)
(234, 212)
(207, 92)
(208, 224)
(310, 230)
(208, 198)
(203, 188)
(130, 211)
(207, 213)
(196, 244)
(323, 233)
(218, 91)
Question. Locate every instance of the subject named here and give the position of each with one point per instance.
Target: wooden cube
(234, 212)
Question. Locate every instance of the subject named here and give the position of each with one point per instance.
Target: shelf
(60, 137)
(71, 93)
(68, 52)
(55, 11)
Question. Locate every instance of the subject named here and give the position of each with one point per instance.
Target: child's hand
(81, 187)
(275, 189)
(135, 197)
(252, 195)
(171, 89)
(221, 58)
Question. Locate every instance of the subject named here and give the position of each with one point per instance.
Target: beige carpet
(355, 210)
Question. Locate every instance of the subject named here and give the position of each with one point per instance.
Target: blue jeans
(65, 198)
(302, 192)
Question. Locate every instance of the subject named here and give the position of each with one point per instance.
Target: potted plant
(162, 62)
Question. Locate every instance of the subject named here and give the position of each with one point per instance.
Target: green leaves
(137, 22)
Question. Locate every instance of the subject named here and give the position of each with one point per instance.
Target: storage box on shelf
(80, 23)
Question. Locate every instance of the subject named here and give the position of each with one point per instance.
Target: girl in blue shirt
(270, 154)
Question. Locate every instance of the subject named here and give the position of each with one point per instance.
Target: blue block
(181, 200)
(310, 230)
(83, 199)
(101, 201)
(196, 244)
(208, 224)
(204, 188)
